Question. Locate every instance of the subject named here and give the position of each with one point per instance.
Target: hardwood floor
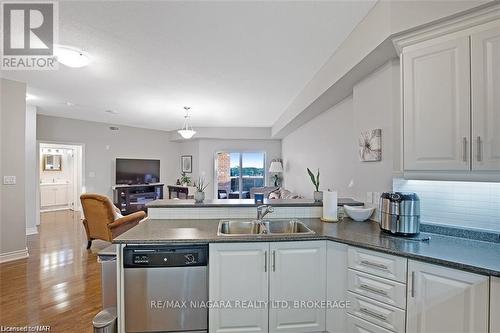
(59, 284)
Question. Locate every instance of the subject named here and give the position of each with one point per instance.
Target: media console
(132, 198)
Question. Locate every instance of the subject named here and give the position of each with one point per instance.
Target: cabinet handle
(372, 289)
(465, 149)
(373, 314)
(373, 264)
(274, 261)
(412, 284)
(265, 261)
(479, 149)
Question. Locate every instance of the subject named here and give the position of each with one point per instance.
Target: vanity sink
(262, 228)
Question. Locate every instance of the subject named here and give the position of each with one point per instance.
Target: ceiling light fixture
(111, 111)
(71, 56)
(186, 131)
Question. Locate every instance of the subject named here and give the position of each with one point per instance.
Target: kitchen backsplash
(461, 204)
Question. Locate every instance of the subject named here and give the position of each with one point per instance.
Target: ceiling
(236, 63)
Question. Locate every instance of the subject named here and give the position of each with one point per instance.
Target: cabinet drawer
(383, 290)
(376, 263)
(386, 316)
(358, 325)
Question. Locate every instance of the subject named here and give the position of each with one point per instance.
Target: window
(238, 172)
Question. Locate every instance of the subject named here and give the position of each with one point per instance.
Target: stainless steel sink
(263, 228)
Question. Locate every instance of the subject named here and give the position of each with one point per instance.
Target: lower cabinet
(442, 299)
(495, 305)
(284, 278)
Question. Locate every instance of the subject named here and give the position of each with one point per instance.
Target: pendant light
(186, 131)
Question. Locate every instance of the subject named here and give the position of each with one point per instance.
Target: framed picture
(370, 146)
(187, 163)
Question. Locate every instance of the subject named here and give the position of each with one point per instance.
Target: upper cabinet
(437, 105)
(485, 76)
(450, 97)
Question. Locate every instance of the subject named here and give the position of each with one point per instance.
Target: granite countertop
(173, 203)
(472, 255)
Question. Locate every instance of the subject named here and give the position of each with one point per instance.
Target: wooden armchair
(102, 220)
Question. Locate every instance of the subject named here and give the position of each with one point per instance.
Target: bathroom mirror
(52, 162)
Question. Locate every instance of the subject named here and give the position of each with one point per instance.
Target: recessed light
(111, 111)
(71, 56)
(70, 104)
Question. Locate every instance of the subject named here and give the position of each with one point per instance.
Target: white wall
(31, 172)
(102, 146)
(330, 141)
(12, 163)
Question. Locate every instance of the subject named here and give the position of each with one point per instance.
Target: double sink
(262, 227)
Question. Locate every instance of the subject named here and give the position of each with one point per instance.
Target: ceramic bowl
(358, 213)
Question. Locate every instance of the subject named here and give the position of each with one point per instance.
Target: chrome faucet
(263, 210)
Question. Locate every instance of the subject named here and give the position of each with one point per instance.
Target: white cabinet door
(436, 104)
(61, 193)
(442, 300)
(298, 276)
(336, 286)
(239, 272)
(485, 74)
(47, 196)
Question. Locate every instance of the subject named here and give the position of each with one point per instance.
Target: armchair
(102, 220)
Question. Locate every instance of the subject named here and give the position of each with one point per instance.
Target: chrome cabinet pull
(479, 149)
(412, 284)
(265, 261)
(373, 314)
(465, 149)
(373, 264)
(274, 261)
(372, 289)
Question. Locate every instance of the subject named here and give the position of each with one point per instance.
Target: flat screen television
(137, 171)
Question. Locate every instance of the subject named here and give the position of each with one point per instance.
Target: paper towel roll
(330, 206)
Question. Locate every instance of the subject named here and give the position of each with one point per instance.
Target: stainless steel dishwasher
(165, 288)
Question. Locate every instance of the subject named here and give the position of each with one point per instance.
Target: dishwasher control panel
(165, 256)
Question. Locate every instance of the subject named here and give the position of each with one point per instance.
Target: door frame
(78, 172)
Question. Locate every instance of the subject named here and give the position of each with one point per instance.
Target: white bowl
(358, 213)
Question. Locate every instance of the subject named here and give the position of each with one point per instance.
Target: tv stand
(133, 198)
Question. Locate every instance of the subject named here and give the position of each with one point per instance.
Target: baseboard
(14, 255)
(31, 231)
(55, 209)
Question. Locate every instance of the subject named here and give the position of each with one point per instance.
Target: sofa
(274, 192)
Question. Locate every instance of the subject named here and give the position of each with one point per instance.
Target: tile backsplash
(474, 205)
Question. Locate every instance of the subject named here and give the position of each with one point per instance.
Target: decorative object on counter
(358, 214)
(400, 213)
(185, 179)
(330, 202)
(259, 198)
(318, 195)
(186, 163)
(201, 186)
(370, 146)
(276, 167)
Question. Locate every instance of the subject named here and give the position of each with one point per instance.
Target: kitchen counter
(172, 203)
(471, 255)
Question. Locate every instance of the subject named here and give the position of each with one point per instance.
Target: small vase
(199, 197)
(318, 196)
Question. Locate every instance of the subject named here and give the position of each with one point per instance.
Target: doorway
(60, 177)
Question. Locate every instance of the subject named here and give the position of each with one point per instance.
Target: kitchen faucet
(263, 210)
